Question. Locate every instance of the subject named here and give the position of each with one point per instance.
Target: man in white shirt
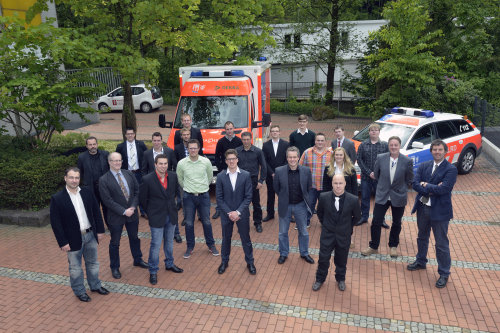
(76, 220)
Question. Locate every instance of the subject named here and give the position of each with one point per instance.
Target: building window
(288, 41)
(296, 41)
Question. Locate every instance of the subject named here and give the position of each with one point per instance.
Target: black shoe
(153, 279)
(252, 269)
(141, 264)
(415, 266)
(84, 297)
(268, 218)
(317, 285)
(292, 219)
(178, 238)
(281, 259)
(258, 227)
(308, 259)
(385, 225)
(174, 269)
(341, 285)
(441, 282)
(115, 272)
(222, 267)
(183, 223)
(360, 222)
(216, 215)
(101, 291)
(144, 215)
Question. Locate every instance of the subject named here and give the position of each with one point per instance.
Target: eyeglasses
(231, 159)
(115, 160)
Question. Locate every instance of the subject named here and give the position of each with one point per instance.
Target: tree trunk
(128, 114)
(332, 52)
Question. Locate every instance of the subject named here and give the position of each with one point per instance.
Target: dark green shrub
(292, 106)
(322, 112)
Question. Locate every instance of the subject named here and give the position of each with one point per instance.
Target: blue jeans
(89, 252)
(300, 213)
(191, 203)
(440, 230)
(368, 186)
(313, 197)
(157, 235)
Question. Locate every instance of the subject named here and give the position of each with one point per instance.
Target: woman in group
(340, 163)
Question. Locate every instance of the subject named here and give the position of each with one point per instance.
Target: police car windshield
(386, 131)
(214, 111)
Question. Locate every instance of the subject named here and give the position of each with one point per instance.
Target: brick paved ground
(381, 294)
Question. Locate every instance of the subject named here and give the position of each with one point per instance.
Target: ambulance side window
(425, 135)
(445, 130)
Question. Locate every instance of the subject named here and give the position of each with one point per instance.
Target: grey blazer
(403, 177)
(280, 183)
(112, 197)
(348, 145)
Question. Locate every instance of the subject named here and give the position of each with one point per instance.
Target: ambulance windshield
(213, 111)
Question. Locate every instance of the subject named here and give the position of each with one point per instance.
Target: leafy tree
(35, 91)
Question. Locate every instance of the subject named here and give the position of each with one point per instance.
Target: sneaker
(213, 250)
(296, 228)
(188, 253)
(368, 251)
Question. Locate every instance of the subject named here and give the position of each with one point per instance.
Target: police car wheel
(103, 107)
(466, 161)
(146, 107)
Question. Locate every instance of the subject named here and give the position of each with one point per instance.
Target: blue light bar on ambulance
(237, 73)
(413, 112)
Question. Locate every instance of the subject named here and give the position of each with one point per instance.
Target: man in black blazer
(132, 152)
(275, 155)
(76, 220)
(195, 132)
(233, 194)
(93, 164)
(181, 150)
(158, 148)
(292, 183)
(120, 194)
(342, 141)
(337, 212)
(157, 195)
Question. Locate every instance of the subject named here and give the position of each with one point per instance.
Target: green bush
(292, 106)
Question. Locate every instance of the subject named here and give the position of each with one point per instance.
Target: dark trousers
(368, 186)
(378, 218)
(257, 209)
(114, 244)
(99, 202)
(327, 244)
(440, 231)
(244, 231)
(271, 195)
(138, 177)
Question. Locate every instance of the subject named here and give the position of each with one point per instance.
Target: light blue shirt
(123, 179)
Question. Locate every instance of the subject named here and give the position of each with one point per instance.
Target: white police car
(417, 128)
(143, 99)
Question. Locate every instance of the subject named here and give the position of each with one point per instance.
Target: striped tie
(122, 185)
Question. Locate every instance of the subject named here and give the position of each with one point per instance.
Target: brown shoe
(351, 246)
(393, 251)
(368, 251)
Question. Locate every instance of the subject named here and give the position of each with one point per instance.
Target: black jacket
(272, 162)
(85, 166)
(157, 201)
(149, 161)
(195, 134)
(123, 150)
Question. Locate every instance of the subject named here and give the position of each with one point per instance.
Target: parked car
(417, 128)
(144, 99)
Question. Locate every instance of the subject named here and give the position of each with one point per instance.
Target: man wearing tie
(342, 141)
(275, 155)
(434, 181)
(337, 212)
(120, 194)
(234, 194)
(394, 174)
(132, 152)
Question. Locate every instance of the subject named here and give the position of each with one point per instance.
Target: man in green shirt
(194, 174)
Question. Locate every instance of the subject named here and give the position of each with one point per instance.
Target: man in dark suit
(157, 195)
(120, 194)
(158, 148)
(275, 155)
(394, 174)
(337, 212)
(132, 152)
(342, 141)
(234, 193)
(93, 164)
(76, 220)
(195, 132)
(181, 149)
(434, 181)
(292, 183)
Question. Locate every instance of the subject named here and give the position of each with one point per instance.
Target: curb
(491, 150)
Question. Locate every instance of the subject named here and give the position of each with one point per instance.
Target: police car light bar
(413, 112)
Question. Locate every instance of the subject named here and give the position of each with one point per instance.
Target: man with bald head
(119, 192)
(338, 211)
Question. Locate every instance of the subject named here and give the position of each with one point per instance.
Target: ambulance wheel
(466, 161)
(103, 107)
(146, 107)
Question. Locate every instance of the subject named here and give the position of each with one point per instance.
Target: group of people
(302, 172)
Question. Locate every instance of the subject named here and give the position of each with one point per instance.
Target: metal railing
(302, 90)
(485, 114)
